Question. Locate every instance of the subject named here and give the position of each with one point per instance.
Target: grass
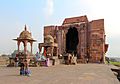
(115, 63)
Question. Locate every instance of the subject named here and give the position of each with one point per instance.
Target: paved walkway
(61, 74)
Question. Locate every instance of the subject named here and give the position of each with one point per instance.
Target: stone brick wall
(91, 37)
(97, 39)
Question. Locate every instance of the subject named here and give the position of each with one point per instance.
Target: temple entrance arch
(72, 40)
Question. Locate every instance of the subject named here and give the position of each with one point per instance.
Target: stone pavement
(61, 74)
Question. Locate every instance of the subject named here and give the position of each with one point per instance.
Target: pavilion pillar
(31, 43)
(40, 49)
(25, 47)
(52, 51)
(18, 43)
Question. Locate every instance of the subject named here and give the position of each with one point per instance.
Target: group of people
(41, 58)
(70, 59)
(23, 63)
(24, 68)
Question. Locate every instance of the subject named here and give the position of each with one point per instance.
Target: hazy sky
(14, 14)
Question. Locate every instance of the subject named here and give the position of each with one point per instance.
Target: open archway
(72, 40)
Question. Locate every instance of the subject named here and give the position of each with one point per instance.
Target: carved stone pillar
(25, 46)
(31, 43)
(52, 51)
(64, 39)
(18, 43)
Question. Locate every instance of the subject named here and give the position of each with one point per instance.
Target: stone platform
(61, 74)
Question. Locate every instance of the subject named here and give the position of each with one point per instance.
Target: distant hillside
(115, 59)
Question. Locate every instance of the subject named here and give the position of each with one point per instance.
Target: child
(22, 69)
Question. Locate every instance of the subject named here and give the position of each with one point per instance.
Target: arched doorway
(72, 40)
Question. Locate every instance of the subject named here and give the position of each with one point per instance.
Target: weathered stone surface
(61, 74)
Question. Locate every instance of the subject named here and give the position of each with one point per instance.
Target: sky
(36, 14)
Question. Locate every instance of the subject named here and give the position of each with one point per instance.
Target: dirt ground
(61, 74)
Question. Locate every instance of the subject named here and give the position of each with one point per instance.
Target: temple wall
(91, 37)
(97, 40)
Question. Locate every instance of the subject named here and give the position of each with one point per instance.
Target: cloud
(49, 8)
(107, 9)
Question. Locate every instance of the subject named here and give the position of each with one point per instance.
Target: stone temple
(78, 35)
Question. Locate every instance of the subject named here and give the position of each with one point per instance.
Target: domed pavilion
(49, 45)
(25, 37)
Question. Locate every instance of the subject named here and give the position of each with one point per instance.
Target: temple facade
(86, 39)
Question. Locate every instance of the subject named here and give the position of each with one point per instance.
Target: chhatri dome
(25, 34)
(25, 37)
(48, 39)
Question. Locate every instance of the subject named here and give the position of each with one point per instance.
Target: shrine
(50, 48)
(81, 37)
(24, 37)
